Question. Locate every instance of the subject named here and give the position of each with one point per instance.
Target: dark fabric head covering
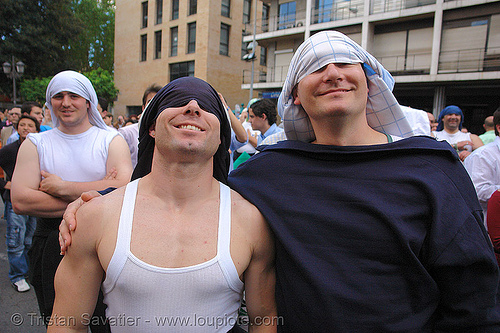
(177, 94)
(450, 109)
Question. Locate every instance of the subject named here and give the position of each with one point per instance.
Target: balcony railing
(472, 60)
(382, 6)
(411, 64)
(339, 11)
(460, 61)
(271, 75)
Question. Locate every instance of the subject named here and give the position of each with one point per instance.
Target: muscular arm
(78, 277)
(260, 277)
(476, 141)
(118, 158)
(26, 198)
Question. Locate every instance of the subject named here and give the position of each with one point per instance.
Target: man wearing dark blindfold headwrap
(184, 242)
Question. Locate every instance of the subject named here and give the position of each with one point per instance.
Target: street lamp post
(251, 48)
(13, 71)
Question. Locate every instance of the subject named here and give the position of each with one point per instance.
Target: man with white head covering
(366, 237)
(55, 167)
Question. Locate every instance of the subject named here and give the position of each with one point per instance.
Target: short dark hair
(496, 119)
(267, 107)
(103, 102)
(27, 106)
(154, 88)
(24, 116)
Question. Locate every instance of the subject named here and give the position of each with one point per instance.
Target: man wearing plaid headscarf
(375, 232)
(55, 167)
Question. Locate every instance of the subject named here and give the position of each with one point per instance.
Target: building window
(144, 6)
(265, 17)
(225, 9)
(243, 46)
(193, 4)
(322, 11)
(247, 6)
(286, 15)
(173, 41)
(159, 11)
(158, 44)
(263, 56)
(224, 39)
(144, 47)
(181, 69)
(175, 9)
(191, 47)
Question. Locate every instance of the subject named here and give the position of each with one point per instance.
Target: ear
(152, 130)
(295, 95)
(498, 128)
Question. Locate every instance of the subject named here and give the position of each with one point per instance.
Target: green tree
(102, 80)
(54, 35)
(103, 83)
(34, 89)
(94, 47)
(38, 33)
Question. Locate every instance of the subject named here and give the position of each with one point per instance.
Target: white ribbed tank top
(146, 298)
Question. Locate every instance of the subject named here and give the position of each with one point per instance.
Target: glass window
(191, 38)
(175, 9)
(322, 11)
(173, 41)
(225, 9)
(192, 7)
(265, 17)
(144, 47)
(144, 7)
(243, 46)
(181, 69)
(247, 6)
(158, 44)
(286, 15)
(159, 11)
(263, 56)
(224, 39)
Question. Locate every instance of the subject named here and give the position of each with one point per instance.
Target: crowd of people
(354, 214)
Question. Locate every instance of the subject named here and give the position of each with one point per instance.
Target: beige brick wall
(132, 76)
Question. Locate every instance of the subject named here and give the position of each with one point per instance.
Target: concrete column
(436, 37)
(307, 32)
(439, 100)
(366, 28)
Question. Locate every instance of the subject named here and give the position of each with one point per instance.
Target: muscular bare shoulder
(245, 214)
(250, 227)
(97, 224)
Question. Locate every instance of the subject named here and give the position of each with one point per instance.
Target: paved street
(18, 311)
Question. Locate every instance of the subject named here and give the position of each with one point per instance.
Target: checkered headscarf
(382, 110)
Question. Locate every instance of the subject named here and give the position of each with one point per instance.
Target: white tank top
(75, 158)
(146, 298)
(452, 138)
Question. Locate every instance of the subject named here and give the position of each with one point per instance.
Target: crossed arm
(49, 197)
